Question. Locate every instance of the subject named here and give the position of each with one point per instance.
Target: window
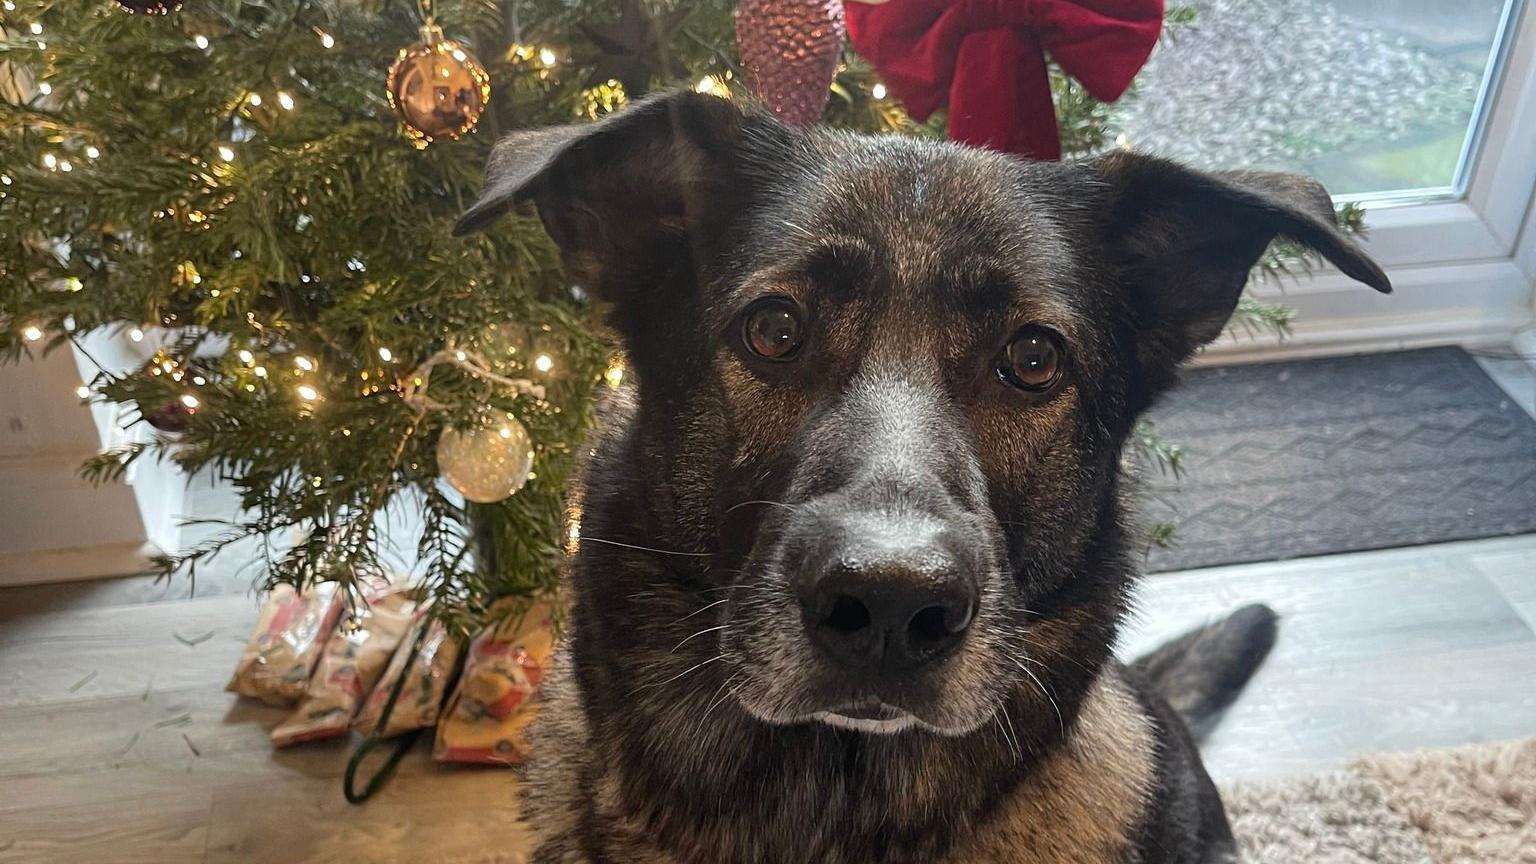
(1378, 99)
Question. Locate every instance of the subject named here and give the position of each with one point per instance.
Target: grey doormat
(1311, 457)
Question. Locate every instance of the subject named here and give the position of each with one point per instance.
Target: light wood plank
(1386, 650)
(155, 830)
(1513, 573)
(159, 727)
(73, 656)
(466, 815)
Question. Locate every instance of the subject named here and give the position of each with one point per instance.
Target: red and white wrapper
(283, 649)
(487, 718)
(426, 683)
(354, 659)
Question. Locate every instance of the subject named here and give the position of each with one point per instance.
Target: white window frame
(1462, 265)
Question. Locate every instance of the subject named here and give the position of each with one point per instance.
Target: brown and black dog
(855, 547)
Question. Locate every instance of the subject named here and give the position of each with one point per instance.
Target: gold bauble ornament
(487, 463)
(437, 88)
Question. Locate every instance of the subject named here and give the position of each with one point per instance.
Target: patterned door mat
(1311, 457)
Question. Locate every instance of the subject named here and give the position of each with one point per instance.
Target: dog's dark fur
(680, 724)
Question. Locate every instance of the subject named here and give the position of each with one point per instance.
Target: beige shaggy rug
(1466, 805)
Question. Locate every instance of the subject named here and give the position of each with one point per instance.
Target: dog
(855, 545)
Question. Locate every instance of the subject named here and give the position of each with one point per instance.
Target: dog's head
(884, 385)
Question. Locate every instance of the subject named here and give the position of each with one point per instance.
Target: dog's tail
(1201, 672)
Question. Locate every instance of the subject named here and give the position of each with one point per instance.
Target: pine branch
(1151, 448)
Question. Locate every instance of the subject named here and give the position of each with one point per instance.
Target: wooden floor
(118, 744)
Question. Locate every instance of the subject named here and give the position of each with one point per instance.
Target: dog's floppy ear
(617, 195)
(1183, 243)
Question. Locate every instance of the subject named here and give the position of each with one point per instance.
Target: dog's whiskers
(1046, 693)
(700, 633)
(706, 607)
(697, 665)
(734, 507)
(724, 692)
(584, 538)
(1010, 737)
(796, 228)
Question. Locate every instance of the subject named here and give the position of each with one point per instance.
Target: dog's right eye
(771, 328)
(1034, 360)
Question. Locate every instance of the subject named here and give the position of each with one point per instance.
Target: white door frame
(1463, 267)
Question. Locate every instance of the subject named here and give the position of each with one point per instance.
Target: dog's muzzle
(883, 594)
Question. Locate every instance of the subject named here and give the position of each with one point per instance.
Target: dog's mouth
(874, 717)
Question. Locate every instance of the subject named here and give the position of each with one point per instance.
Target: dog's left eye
(1034, 360)
(771, 328)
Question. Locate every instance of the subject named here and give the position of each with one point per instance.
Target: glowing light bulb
(136, 335)
(199, 380)
(307, 393)
(304, 363)
(190, 401)
(615, 375)
(91, 152)
(83, 392)
(73, 284)
(65, 166)
(200, 41)
(9, 6)
(878, 91)
(44, 88)
(327, 40)
(712, 85)
(543, 363)
(285, 100)
(31, 333)
(226, 153)
(261, 371)
(506, 432)
(546, 56)
(386, 355)
(255, 100)
(50, 161)
(36, 28)
(459, 356)
(5, 179)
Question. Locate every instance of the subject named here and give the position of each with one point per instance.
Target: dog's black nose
(886, 608)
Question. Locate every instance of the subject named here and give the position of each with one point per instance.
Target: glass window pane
(1369, 96)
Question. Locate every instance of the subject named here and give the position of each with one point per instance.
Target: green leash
(402, 743)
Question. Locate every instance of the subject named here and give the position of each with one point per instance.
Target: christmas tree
(250, 184)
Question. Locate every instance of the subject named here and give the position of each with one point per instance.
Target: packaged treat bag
(426, 682)
(487, 719)
(354, 658)
(289, 635)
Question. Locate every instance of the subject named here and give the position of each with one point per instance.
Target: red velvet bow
(986, 58)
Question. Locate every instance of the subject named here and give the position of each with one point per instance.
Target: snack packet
(487, 718)
(354, 658)
(282, 650)
(421, 699)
